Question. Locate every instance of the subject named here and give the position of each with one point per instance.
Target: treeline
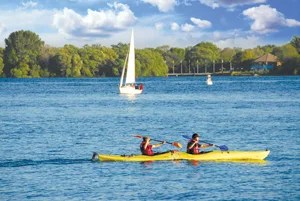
(25, 55)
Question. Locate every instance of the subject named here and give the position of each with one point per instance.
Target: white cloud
(210, 3)
(2, 28)
(244, 42)
(34, 20)
(95, 23)
(292, 23)
(175, 26)
(229, 3)
(163, 5)
(159, 26)
(201, 23)
(267, 19)
(187, 27)
(31, 20)
(29, 4)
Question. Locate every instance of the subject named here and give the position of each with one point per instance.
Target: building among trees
(266, 62)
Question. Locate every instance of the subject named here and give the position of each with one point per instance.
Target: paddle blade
(177, 144)
(186, 137)
(223, 148)
(138, 136)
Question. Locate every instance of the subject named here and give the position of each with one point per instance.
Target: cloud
(159, 26)
(187, 27)
(244, 42)
(267, 19)
(174, 26)
(2, 28)
(163, 5)
(229, 3)
(201, 23)
(198, 23)
(29, 4)
(95, 23)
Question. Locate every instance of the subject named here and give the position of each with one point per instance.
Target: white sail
(130, 87)
(130, 75)
(123, 72)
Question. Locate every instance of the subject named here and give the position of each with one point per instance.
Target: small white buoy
(209, 80)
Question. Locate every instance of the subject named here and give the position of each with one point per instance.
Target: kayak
(177, 155)
(172, 155)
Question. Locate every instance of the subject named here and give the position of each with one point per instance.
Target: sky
(177, 23)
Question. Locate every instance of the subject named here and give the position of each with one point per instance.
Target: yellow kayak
(177, 155)
(226, 155)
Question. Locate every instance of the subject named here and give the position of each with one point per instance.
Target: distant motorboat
(209, 80)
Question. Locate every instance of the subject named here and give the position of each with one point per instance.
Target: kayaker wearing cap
(146, 147)
(193, 146)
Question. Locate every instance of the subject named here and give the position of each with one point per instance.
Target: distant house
(265, 63)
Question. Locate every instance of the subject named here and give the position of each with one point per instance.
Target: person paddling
(193, 146)
(146, 147)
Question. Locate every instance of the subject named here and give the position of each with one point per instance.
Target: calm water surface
(50, 127)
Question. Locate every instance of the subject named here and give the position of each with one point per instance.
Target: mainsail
(130, 75)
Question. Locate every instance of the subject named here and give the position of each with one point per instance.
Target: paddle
(221, 147)
(176, 144)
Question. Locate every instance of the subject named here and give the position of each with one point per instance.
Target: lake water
(50, 127)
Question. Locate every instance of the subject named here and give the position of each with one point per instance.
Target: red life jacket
(141, 86)
(194, 149)
(148, 151)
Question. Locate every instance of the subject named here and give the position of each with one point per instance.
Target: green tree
(267, 48)
(149, 62)
(227, 54)
(21, 54)
(1, 62)
(290, 59)
(121, 51)
(203, 53)
(45, 61)
(296, 43)
(68, 61)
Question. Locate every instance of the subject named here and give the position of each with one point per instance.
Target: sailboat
(130, 86)
(209, 80)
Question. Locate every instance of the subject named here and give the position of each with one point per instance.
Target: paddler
(193, 146)
(146, 147)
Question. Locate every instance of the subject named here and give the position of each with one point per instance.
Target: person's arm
(205, 145)
(192, 145)
(145, 145)
(158, 145)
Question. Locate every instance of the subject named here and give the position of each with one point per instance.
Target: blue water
(50, 127)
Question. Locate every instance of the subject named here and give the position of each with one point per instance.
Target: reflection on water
(130, 97)
(252, 162)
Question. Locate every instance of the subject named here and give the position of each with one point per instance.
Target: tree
(267, 48)
(46, 61)
(204, 52)
(290, 58)
(149, 62)
(227, 54)
(107, 66)
(121, 51)
(296, 43)
(68, 61)
(1, 62)
(21, 54)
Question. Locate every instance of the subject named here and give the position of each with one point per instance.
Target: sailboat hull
(130, 90)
